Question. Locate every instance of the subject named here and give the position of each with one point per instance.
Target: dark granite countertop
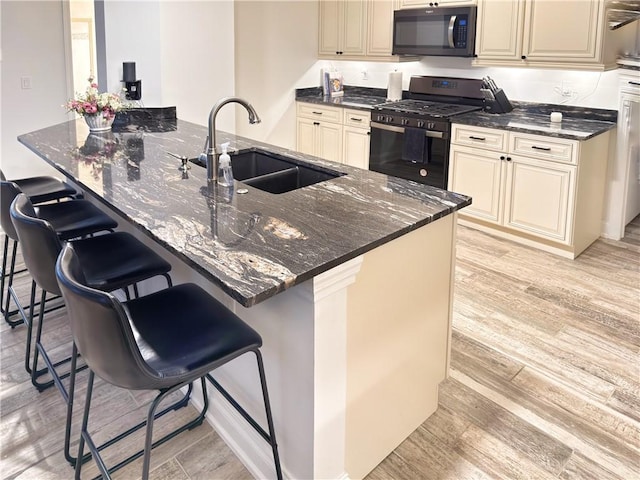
(361, 98)
(252, 245)
(582, 126)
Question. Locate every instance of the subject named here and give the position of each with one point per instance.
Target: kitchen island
(349, 282)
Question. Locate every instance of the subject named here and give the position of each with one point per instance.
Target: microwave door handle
(452, 24)
(392, 128)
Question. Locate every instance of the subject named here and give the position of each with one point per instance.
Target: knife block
(501, 104)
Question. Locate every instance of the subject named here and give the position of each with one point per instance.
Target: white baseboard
(250, 448)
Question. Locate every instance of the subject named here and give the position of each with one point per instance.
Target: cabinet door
(330, 25)
(329, 141)
(567, 30)
(355, 150)
(354, 28)
(499, 29)
(539, 198)
(380, 36)
(479, 174)
(306, 136)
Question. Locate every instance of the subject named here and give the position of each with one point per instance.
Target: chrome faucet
(212, 148)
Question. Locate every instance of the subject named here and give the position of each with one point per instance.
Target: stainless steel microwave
(435, 31)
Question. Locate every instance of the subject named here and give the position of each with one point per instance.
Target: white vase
(99, 123)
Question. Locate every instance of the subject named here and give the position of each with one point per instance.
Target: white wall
(276, 45)
(132, 34)
(30, 50)
(197, 58)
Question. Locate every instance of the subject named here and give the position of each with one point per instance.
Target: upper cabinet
(343, 27)
(548, 33)
(357, 30)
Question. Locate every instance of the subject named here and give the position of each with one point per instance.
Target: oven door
(387, 143)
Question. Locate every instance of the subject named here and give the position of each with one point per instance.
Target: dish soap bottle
(225, 174)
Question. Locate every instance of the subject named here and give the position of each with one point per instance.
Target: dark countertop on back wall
(253, 245)
(579, 123)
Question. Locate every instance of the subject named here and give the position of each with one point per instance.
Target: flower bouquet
(98, 109)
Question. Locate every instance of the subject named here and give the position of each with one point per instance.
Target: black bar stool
(39, 189)
(110, 262)
(74, 218)
(181, 334)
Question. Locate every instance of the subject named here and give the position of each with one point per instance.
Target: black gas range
(410, 137)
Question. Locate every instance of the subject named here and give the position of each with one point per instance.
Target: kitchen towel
(414, 146)
(394, 90)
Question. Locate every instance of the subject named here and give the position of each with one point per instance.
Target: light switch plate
(25, 83)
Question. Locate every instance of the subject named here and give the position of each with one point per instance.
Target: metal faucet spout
(212, 148)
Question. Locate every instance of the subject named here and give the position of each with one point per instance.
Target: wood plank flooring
(545, 381)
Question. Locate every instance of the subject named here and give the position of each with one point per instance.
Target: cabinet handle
(523, 57)
(356, 119)
(502, 157)
(633, 83)
(482, 139)
(368, 133)
(316, 123)
(508, 159)
(317, 113)
(546, 149)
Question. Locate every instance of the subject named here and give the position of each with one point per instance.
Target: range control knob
(404, 121)
(420, 123)
(381, 118)
(389, 119)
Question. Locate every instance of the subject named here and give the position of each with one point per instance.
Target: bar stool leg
(5, 251)
(267, 407)
(27, 356)
(12, 268)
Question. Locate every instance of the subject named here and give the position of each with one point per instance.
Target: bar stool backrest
(8, 192)
(101, 329)
(39, 243)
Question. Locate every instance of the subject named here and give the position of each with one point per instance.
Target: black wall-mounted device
(131, 85)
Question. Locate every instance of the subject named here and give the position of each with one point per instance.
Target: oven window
(386, 157)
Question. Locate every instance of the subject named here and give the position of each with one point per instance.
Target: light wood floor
(545, 381)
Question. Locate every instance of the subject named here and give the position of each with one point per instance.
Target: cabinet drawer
(479, 137)
(319, 112)
(545, 148)
(356, 118)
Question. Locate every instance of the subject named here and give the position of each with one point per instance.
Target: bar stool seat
(75, 218)
(164, 341)
(42, 189)
(71, 219)
(39, 189)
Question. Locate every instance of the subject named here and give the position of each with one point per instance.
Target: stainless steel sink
(275, 173)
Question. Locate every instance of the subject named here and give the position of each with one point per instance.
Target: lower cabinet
(333, 133)
(542, 191)
(321, 139)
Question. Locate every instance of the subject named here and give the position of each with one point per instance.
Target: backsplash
(587, 88)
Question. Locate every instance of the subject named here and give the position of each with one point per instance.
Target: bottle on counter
(225, 174)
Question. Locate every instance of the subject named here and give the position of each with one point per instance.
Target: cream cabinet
(544, 191)
(319, 131)
(343, 27)
(548, 33)
(356, 132)
(357, 30)
(333, 133)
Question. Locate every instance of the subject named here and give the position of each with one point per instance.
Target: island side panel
(398, 341)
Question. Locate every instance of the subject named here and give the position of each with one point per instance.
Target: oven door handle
(391, 128)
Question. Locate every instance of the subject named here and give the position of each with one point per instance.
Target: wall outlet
(25, 83)
(566, 89)
(365, 75)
